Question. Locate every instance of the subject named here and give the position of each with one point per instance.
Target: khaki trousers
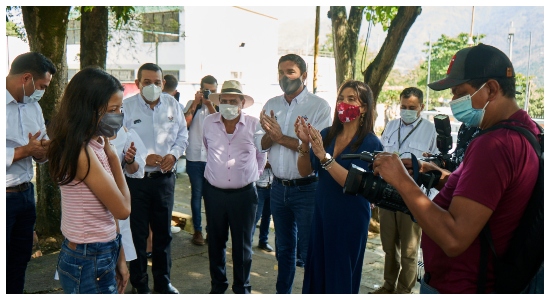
(400, 238)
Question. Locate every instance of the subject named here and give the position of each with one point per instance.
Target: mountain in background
(493, 21)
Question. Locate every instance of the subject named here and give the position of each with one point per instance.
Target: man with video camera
(493, 184)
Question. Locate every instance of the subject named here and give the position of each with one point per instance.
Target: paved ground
(190, 262)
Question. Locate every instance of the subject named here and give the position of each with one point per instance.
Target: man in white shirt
(158, 120)
(26, 140)
(198, 109)
(399, 235)
(292, 196)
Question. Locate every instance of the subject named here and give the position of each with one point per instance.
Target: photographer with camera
(493, 184)
(399, 235)
(340, 222)
(196, 155)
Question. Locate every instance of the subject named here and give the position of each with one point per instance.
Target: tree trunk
(377, 72)
(316, 47)
(94, 33)
(46, 29)
(345, 34)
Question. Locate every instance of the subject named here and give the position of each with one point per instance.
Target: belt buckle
(286, 182)
(149, 175)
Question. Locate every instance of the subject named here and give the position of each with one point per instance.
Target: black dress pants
(152, 203)
(233, 209)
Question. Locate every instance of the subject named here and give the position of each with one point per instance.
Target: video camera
(444, 144)
(379, 192)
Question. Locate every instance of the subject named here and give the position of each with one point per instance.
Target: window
(164, 25)
(122, 75)
(73, 32)
(175, 73)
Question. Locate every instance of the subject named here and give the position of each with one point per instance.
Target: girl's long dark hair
(367, 125)
(83, 103)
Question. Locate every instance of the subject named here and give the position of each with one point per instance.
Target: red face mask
(347, 112)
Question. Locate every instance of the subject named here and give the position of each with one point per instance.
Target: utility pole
(316, 48)
(511, 31)
(428, 79)
(470, 42)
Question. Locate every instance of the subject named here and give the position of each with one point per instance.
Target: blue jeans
(90, 268)
(427, 289)
(195, 170)
(263, 212)
(292, 209)
(20, 219)
(536, 286)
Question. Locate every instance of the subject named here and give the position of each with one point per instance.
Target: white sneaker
(175, 229)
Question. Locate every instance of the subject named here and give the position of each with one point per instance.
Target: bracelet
(129, 163)
(327, 163)
(302, 152)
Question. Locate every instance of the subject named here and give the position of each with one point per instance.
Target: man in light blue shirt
(158, 120)
(26, 140)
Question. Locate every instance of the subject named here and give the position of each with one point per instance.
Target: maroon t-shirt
(499, 170)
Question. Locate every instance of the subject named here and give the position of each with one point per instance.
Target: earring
(362, 119)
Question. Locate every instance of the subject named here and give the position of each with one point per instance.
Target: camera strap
(399, 141)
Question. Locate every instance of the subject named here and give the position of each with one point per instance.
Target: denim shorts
(90, 268)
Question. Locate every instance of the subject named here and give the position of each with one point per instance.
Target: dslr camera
(379, 192)
(206, 93)
(444, 144)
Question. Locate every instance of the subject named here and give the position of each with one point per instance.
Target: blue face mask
(409, 116)
(464, 112)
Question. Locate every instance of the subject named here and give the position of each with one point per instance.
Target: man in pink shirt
(230, 199)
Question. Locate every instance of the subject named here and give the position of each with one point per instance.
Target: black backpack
(525, 253)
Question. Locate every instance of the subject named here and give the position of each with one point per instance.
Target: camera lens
(206, 93)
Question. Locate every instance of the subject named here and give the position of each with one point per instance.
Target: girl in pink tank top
(94, 193)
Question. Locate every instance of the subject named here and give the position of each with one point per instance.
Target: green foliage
(389, 97)
(382, 15)
(536, 96)
(123, 14)
(442, 52)
(13, 27)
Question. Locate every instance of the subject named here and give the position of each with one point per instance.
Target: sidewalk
(190, 273)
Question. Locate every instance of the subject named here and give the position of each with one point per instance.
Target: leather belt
(156, 174)
(296, 182)
(18, 188)
(72, 245)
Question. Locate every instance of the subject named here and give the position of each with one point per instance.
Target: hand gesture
(316, 142)
(130, 154)
(302, 130)
(153, 160)
(390, 167)
(271, 126)
(167, 163)
(37, 148)
(198, 98)
(109, 148)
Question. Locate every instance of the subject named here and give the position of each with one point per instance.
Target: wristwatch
(326, 158)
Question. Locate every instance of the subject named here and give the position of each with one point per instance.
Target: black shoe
(141, 290)
(149, 254)
(169, 289)
(266, 247)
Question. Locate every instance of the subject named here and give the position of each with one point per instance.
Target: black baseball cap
(480, 61)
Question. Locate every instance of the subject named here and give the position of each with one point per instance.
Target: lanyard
(399, 134)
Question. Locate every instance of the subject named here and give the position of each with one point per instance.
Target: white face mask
(229, 112)
(409, 116)
(35, 96)
(151, 92)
